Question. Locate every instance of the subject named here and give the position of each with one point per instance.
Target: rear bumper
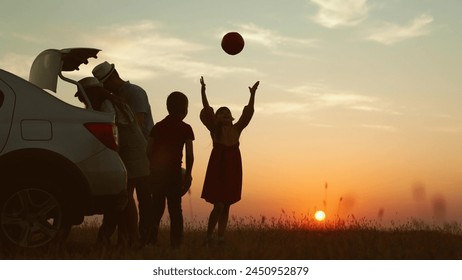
(105, 172)
(107, 181)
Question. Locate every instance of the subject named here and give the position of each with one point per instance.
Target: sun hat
(103, 70)
(89, 82)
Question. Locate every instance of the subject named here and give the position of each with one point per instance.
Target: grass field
(284, 238)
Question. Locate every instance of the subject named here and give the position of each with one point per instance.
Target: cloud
(17, 64)
(28, 38)
(340, 13)
(374, 109)
(387, 128)
(313, 97)
(446, 129)
(320, 96)
(341, 99)
(143, 49)
(273, 40)
(283, 107)
(391, 33)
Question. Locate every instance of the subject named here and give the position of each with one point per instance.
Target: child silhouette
(167, 140)
(223, 179)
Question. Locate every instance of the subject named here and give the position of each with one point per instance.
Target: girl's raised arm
(205, 102)
(253, 90)
(207, 116)
(247, 113)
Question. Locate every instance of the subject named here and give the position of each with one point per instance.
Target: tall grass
(287, 237)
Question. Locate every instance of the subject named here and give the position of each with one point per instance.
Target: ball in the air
(232, 43)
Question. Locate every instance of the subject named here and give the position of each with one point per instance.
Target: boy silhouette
(165, 152)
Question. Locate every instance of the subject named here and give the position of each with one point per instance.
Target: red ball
(232, 43)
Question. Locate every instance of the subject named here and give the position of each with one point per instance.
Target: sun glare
(320, 215)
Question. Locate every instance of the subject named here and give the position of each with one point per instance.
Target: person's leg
(223, 222)
(158, 207)
(213, 219)
(176, 219)
(145, 207)
(107, 228)
(128, 223)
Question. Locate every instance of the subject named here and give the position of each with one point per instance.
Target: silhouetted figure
(132, 151)
(137, 99)
(223, 179)
(165, 150)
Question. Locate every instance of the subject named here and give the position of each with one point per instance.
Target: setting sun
(320, 215)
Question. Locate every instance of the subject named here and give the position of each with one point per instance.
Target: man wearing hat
(132, 151)
(132, 94)
(137, 99)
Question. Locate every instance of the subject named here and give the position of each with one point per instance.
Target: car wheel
(31, 217)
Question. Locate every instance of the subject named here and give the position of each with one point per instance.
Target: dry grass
(285, 238)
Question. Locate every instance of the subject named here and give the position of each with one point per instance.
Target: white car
(58, 162)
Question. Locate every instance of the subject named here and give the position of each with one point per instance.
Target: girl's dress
(223, 179)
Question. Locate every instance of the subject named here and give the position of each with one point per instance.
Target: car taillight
(106, 133)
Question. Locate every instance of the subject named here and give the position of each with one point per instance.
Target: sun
(320, 215)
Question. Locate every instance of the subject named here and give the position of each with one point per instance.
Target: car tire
(32, 217)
